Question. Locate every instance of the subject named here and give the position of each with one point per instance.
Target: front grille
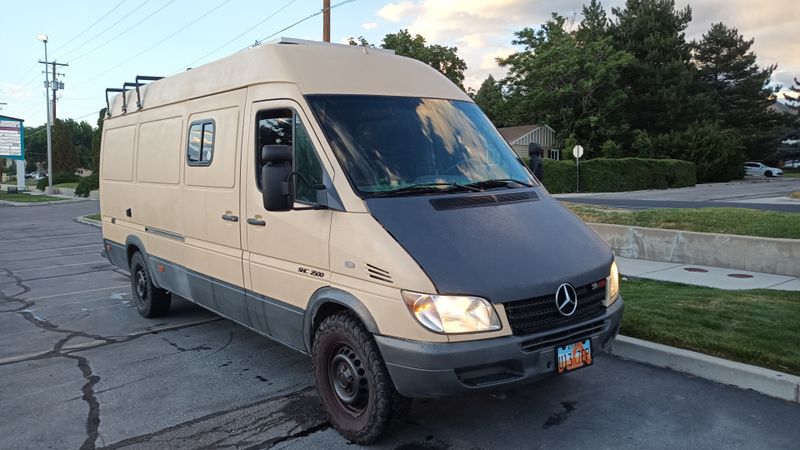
(540, 313)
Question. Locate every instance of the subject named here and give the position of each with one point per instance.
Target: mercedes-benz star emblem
(566, 300)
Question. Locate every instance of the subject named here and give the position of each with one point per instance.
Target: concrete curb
(750, 253)
(764, 381)
(54, 202)
(92, 222)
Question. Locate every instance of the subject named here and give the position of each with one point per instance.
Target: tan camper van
(360, 208)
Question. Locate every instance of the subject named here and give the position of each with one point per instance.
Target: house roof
(11, 118)
(783, 108)
(511, 134)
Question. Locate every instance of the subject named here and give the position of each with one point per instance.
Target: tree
(444, 59)
(739, 89)
(571, 85)
(793, 100)
(65, 158)
(491, 100)
(665, 94)
(96, 140)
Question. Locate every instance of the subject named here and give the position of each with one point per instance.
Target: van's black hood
(501, 252)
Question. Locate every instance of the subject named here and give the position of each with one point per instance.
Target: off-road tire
(150, 300)
(384, 409)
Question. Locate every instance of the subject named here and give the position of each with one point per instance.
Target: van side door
(286, 253)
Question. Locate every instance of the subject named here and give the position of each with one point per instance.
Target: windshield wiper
(423, 188)
(497, 182)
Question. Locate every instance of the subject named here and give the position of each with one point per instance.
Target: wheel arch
(327, 301)
(134, 244)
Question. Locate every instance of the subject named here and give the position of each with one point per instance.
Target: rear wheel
(150, 300)
(353, 382)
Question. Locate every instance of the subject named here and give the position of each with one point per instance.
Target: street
(752, 192)
(80, 368)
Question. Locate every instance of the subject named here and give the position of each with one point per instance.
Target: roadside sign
(577, 152)
(11, 138)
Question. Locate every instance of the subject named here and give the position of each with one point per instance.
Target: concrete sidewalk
(705, 276)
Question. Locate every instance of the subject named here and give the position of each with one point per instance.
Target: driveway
(79, 368)
(752, 192)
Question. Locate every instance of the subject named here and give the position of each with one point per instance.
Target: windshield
(392, 143)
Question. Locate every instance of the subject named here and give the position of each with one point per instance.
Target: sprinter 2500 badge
(313, 273)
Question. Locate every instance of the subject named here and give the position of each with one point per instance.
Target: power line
(126, 30)
(91, 39)
(92, 25)
(304, 19)
(237, 36)
(154, 45)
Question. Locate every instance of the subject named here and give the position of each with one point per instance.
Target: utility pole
(43, 38)
(326, 20)
(56, 85)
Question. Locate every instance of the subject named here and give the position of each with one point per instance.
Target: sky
(109, 42)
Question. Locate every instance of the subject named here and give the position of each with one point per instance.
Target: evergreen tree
(739, 89)
(490, 98)
(793, 100)
(595, 23)
(665, 94)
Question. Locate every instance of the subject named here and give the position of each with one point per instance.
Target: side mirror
(275, 186)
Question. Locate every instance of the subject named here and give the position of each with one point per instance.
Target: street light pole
(43, 38)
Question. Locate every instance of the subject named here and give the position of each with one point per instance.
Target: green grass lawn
(27, 198)
(791, 173)
(749, 222)
(93, 217)
(67, 185)
(758, 327)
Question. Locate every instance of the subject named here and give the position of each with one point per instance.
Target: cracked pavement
(80, 369)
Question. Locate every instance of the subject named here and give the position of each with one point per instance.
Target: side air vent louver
(379, 274)
(483, 200)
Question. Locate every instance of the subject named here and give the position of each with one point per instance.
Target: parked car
(761, 170)
(792, 164)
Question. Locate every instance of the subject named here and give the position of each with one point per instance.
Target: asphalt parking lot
(79, 368)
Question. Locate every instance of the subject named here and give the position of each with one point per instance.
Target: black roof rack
(126, 87)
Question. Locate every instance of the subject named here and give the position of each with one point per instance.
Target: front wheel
(768, 174)
(353, 382)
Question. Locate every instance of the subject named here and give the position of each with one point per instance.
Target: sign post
(577, 152)
(12, 145)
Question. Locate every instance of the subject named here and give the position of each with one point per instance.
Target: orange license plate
(574, 356)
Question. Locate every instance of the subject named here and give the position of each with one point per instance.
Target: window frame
(257, 152)
(202, 123)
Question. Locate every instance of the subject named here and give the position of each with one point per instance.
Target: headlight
(452, 314)
(612, 292)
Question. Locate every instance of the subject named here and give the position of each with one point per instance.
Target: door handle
(230, 217)
(256, 222)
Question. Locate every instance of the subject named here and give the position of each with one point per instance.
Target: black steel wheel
(353, 382)
(150, 300)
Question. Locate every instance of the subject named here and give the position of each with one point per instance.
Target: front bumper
(432, 370)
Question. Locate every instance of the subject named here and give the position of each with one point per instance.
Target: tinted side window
(306, 163)
(200, 150)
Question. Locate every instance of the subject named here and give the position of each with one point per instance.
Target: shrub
(58, 177)
(618, 174)
(87, 185)
(717, 152)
